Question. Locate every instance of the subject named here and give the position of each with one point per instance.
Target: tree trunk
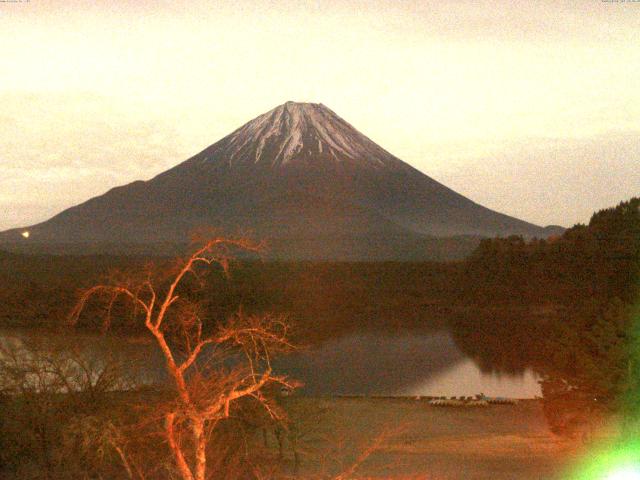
(279, 434)
(201, 449)
(183, 467)
(296, 457)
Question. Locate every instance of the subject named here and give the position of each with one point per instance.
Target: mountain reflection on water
(399, 364)
(356, 363)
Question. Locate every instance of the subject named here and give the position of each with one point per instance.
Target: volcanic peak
(295, 130)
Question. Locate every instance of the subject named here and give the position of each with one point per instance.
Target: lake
(360, 363)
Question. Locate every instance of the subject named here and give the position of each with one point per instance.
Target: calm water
(359, 363)
(401, 364)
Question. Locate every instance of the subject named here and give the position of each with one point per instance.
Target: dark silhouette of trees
(577, 323)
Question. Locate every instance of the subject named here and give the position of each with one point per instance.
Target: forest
(565, 306)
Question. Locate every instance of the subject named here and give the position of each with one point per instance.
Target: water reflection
(465, 378)
(399, 364)
(362, 363)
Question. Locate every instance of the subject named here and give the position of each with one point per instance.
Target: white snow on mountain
(298, 130)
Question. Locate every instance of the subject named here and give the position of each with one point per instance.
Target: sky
(531, 108)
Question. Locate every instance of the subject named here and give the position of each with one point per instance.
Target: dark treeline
(563, 306)
(561, 282)
(599, 259)
(40, 290)
(320, 298)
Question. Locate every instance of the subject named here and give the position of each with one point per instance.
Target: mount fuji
(298, 173)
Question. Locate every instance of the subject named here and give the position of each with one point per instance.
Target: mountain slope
(298, 171)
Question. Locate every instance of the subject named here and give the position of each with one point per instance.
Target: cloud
(552, 180)
(53, 156)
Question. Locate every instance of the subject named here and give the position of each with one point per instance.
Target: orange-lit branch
(201, 401)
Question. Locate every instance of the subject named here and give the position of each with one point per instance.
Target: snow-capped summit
(298, 131)
(299, 175)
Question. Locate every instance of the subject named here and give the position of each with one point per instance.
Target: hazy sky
(528, 107)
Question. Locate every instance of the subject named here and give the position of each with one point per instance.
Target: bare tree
(211, 364)
(48, 384)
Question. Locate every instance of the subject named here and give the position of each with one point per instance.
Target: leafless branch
(204, 395)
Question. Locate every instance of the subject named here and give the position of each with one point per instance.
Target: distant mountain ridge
(297, 171)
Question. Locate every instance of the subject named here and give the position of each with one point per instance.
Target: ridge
(298, 131)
